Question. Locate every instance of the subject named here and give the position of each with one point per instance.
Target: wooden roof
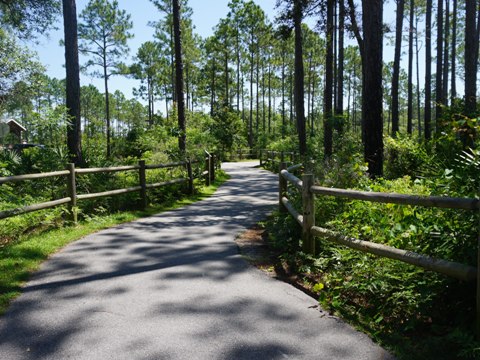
(13, 123)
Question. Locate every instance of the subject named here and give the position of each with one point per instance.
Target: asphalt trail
(172, 286)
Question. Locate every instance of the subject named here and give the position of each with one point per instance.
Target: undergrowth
(415, 313)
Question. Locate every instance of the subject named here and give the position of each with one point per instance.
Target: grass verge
(20, 258)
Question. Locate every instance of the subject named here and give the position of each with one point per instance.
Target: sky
(206, 14)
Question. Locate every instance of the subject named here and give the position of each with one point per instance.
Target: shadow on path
(173, 286)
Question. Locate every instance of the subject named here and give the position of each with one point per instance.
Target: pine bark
(340, 75)
(328, 90)
(428, 71)
(179, 77)
(410, 71)
(470, 59)
(439, 69)
(74, 134)
(372, 78)
(453, 85)
(396, 67)
(299, 78)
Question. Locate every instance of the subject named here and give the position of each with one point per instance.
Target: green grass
(22, 257)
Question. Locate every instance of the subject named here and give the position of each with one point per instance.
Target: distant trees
(29, 17)
(104, 32)
(287, 83)
(298, 8)
(16, 64)
(148, 68)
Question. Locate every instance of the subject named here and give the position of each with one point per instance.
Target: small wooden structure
(16, 129)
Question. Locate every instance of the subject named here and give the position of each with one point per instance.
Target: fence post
(190, 176)
(308, 201)
(282, 156)
(282, 187)
(261, 155)
(478, 279)
(213, 159)
(207, 168)
(240, 154)
(143, 184)
(72, 192)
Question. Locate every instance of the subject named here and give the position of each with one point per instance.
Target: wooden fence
(72, 173)
(274, 158)
(306, 219)
(266, 157)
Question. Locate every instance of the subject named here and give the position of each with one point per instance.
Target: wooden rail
(273, 157)
(265, 156)
(106, 169)
(306, 220)
(71, 173)
(393, 198)
(35, 207)
(17, 178)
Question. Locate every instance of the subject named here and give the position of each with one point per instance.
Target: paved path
(173, 286)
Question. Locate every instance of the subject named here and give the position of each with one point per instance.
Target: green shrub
(404, 156)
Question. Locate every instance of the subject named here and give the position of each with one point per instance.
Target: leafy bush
(404, 156)
(418, 313)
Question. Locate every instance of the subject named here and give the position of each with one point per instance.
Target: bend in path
(173, 286)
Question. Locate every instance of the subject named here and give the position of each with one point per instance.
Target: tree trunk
(179, 76)
(470, 59)
(149, 95)
(312, 111)
(172, 63)
(417, 51)
(238, 69)
(166, 100)
(269, 96)
(372, 78)
(309, 90)
(327, 91)
(243, 100)
(187, 85)
(264, 113)
(283, 96)
(453, 85)
(438, 79)
(292, 104)
(227, 95)
(396, 67)
(410, 71)
(213, 86)
(299, 78)
(107, 105)
(428, 71)
(257, 94)
(74, 134)
(334, 37)
(341, 55)
(250, 120)
(445, 54)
